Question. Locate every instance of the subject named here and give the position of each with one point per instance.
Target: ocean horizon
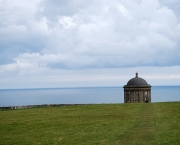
(80, 95)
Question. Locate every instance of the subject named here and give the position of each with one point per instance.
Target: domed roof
(137, 81)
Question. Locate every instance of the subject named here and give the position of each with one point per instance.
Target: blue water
(96, 95)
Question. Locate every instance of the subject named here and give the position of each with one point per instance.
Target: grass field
(109, 124)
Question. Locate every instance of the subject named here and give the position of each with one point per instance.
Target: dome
(137, 81)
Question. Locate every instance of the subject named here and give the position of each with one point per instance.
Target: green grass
(128, 124)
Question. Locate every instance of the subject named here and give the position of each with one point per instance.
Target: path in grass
(143, 130)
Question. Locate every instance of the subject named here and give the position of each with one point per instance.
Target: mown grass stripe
(143, 129)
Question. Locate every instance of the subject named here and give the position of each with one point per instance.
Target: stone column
(125, 96)
(149, 95)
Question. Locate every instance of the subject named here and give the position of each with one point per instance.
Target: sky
(82, 43)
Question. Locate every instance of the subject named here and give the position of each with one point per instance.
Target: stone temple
(137, 90)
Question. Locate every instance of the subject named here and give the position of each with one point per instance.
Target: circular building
(137, 90)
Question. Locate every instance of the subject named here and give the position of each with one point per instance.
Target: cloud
(41, 36)
(174, 5)
(113, 32)
(19, 31)
(39, 77)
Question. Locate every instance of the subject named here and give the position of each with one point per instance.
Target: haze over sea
(89, 95)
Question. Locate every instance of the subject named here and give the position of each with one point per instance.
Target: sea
(83, 95)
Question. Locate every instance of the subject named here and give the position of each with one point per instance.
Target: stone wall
(35, 106)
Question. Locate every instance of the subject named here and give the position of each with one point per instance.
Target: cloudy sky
(82, 43)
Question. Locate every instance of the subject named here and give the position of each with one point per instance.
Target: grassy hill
(133, 124)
